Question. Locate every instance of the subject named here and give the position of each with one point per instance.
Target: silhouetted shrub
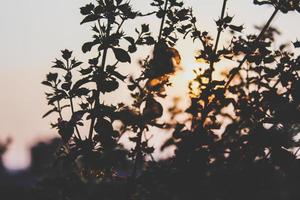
(239, 141)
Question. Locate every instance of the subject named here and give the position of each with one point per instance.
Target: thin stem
(147, 139)
(218, 39)
(220, 29)
(138, 153)
(73, 111)
(59, 109)
(297, 151)
(120, 25)
(163, 20)
(267, 25)
(205, 111)
(97, 100)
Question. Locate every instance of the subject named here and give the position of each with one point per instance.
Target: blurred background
(34, 31)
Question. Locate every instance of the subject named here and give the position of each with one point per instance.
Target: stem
(71, 103)
(73, 111)
(205, 111)
(150, 154)
(163, 20)
(120, 26)
(59, 110)
(138, 153)
(252, 46)
(97, 100)
(217, 40)
(220, 29)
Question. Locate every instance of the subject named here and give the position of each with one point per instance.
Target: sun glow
(183, 82)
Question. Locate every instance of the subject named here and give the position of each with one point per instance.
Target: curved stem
(252, 47)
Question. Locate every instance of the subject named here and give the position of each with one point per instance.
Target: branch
(163, 20)
(253, 45)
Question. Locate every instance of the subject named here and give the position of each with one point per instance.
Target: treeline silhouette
(22, 183)
(236, 140)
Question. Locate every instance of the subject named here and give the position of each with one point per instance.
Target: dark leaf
(47, 83)
(52, 77)
(66, 86)
(66, 54)
(121, 55)
(296, 44)
(76, 64)
(49, 112)
(59, 64)
(103, 126)
(130, 40)
(87, 46)
(87, 9)
(145, 28)
(236, 28)
(89, 18)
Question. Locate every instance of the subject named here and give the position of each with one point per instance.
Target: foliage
(239, 138)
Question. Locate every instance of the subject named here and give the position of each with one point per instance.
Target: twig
(251, 47)
(138, 153)
(163, 20)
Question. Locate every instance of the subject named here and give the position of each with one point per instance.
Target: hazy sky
(32, 34)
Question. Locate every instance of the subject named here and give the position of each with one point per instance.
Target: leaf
(65, 130)
(87, 9)
(87, 46)
(52, 77)
(129, 39)
(66, 54)
(75, 64)
(95, 28)
(49, 112)
(149, 150)
(118, 1)
(296, 44)
(47, 83)
(66, 86)
(227, 19)
(56, 98)
(153, 109)
(103, 126)
(109, 86)
(89, 18)
(145, 28)
(80, 82)
(59, 64)
(132, 48)
(79, 92)
(167, 144)
(85, 71)
(236, 28)
(121, 55)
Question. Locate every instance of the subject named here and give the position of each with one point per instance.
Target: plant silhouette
(238, 141)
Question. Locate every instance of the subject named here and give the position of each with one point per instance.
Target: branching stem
(163, 20)
(252, 47)
(97, 100)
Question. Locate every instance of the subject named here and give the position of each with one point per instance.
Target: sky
(33, 32)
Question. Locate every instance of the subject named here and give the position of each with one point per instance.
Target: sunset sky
(34, 31)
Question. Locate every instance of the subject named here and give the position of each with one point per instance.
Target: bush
(238, 141)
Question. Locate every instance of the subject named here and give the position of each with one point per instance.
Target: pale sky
(33, 32)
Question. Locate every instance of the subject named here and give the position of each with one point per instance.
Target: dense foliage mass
(238, 141)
